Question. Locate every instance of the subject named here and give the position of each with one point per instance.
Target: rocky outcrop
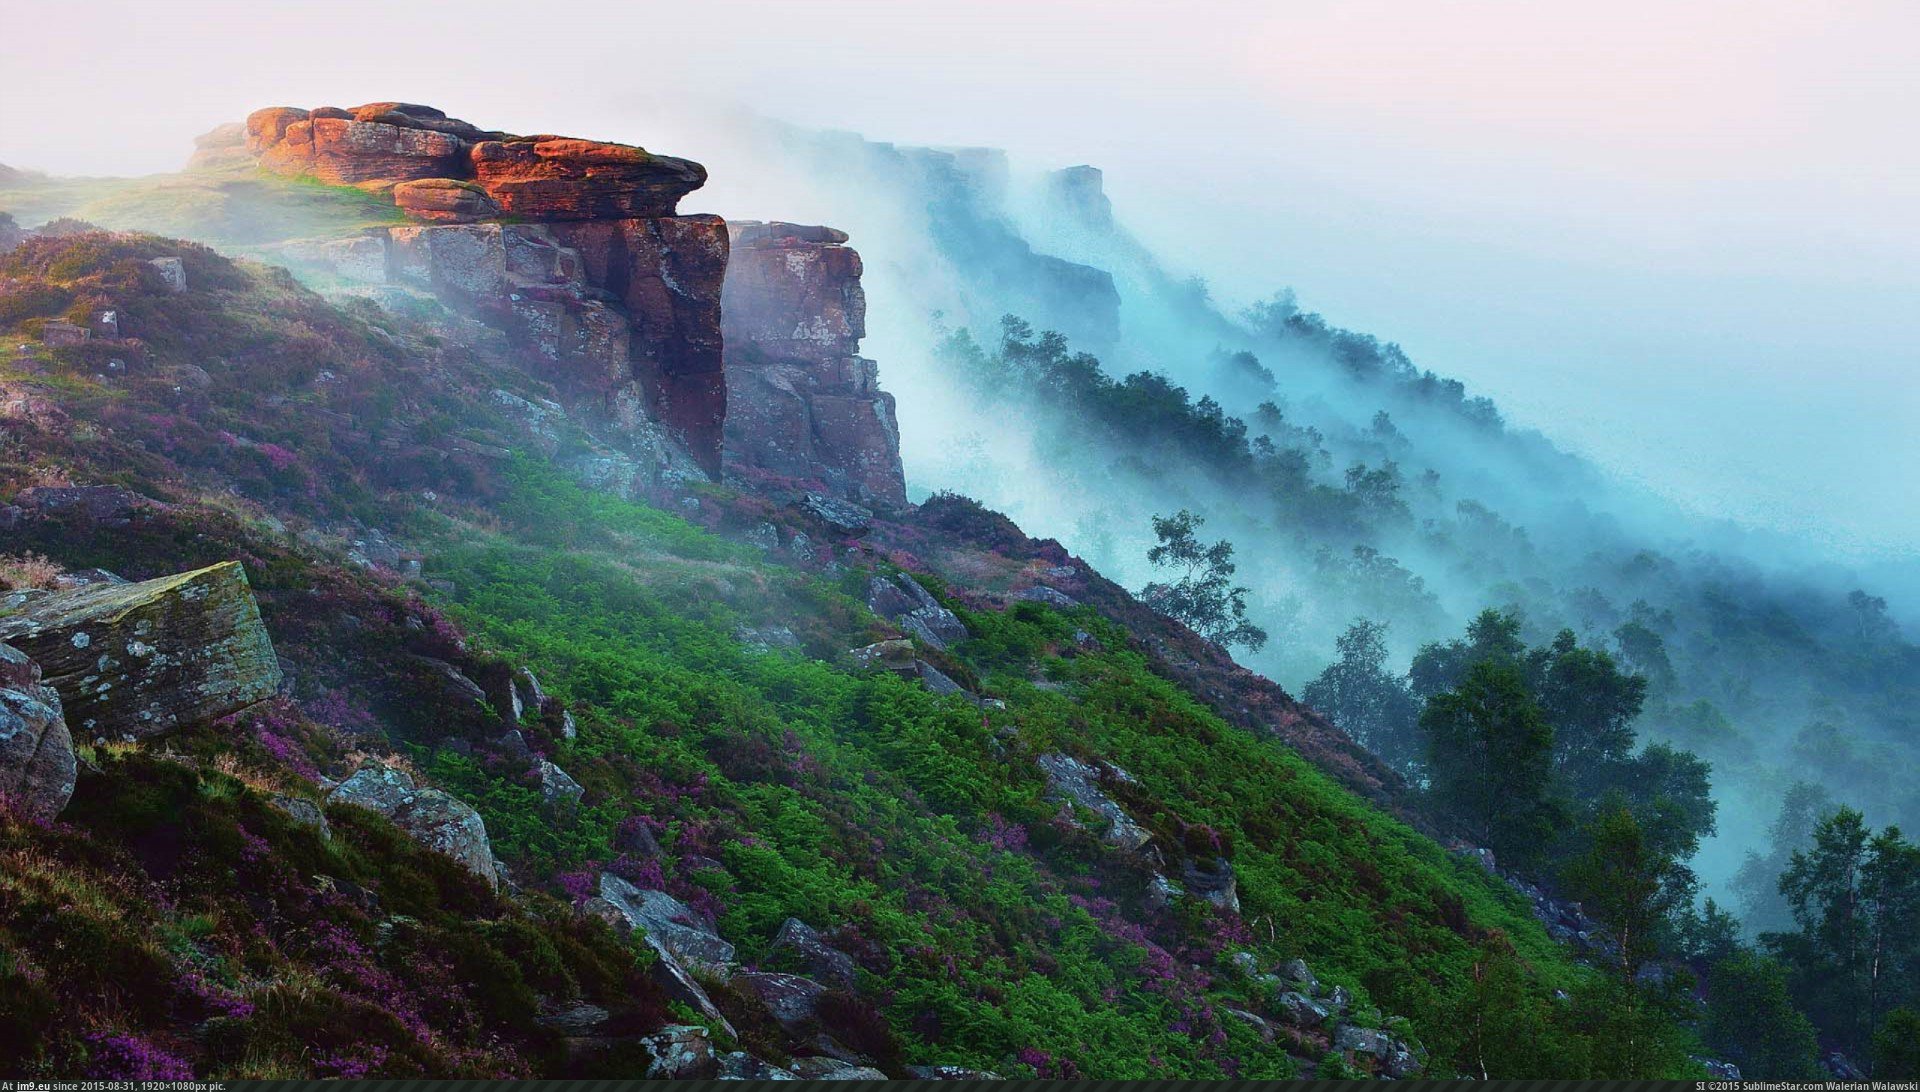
(902, 601)
(681, 940)
(613, 296)
(37, 766)
(1070, 780)
(433, 818)
(136, 660)
(803, 404)
(804, 944)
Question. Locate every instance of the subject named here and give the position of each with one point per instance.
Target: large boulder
(622, 906)
(433, 818)
(445, 201)
(680, 1052)
(562, 178)
(337, 146)
(1077, 782)
(37, 766)
(790, 999)
(131, 661)
(833, 1069)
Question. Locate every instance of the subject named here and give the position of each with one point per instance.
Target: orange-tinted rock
(444, 201)
(222, 146)
(801, 403)
(266, 128)
(347, 152)
(559, 178)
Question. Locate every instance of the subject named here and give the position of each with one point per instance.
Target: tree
(1751, 1022)
(1896, 1047)
(1370, 703)
(1758, 882)
(1204, 596)
(1591, 704)
(1490, 757)
(1855, 896)
(1626, 883)
(1493, 636)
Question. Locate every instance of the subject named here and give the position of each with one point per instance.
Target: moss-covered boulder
(131, 661)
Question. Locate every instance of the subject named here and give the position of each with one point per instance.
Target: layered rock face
(802, 403)
(614, 296)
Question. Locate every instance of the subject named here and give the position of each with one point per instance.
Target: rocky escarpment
(802, 402)
(609, 292)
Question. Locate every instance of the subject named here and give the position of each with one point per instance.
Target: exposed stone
(901, 600)
(1299, 1010)
(345, 150)
(556, 788)
(445, 201)
(304, 812)
(37, 765)
(952, 1073)
(1718, 1070)
(1161, 892)
(576, 1020)
(843, 516)
(669, 924)
(1215, 883)
(136, 660)
(741, 1066)
(109, 505)
(821, 960)
(802, 403)
(1069, 779)
(936, 680)
(432, 817)
(221, 146)
(893, 655)
(1040, 593)
(57, 333)
(833, 1069)
(680, 1052)
(561, 178)
(173, 271)
(1258, 1023)
(790, 999)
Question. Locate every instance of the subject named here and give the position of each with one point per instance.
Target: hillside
(612, 738)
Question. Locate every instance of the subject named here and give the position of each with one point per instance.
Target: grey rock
(304, 812)
(841, 515)
(833, 1069)
(823, 961)
(936, 680)
(1297, 972)
(1363, 1041)
(1215, 883)
(1299, 1010)
(680, 1052)
(952, 1073)
(1718, 1070)
(1258, 1023)
(131, 661)
(556, 788)
(172, 271)
(569, 729)
(433, 818)
(790, 999)
(1246, 963)
(576, 1020)
(1051, 597)
(894, 655)
(741, 1066)
(902, 601)
(1161, 892)
(1069, 779)
(37, 764)
(767, 638)
(670, 923)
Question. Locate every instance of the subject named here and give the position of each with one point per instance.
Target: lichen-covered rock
(810, 949)
(37, 765)
(833, 1069)
(136, 660)
(952, 1073)
(556, 788)
(1071, 780)
(562, 178)
(339, 147)
(304, 812)
(843, 516)
(680, 1052)
(433, 818)
(802, 403)
(1214, 882)
(1299, 1010)
(621, 906)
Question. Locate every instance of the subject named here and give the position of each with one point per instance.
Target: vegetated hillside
(642, 700)
(1353, 483)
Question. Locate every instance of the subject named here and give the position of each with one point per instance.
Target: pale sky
(1679, 237)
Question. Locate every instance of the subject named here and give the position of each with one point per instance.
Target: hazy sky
(1678, 236)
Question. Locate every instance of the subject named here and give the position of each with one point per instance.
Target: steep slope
(893, 820)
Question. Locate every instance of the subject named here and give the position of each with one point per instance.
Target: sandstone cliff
(802, 403)
(612, 295)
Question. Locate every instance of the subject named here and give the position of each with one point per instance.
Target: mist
(1676, 249)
